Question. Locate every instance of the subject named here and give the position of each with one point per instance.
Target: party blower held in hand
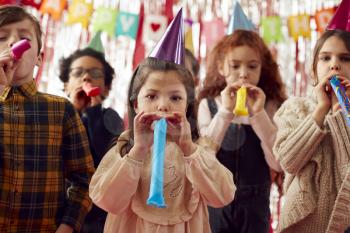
(90, 90)
(343, 99)
(241, 109)
(19, 48)
(156, 196)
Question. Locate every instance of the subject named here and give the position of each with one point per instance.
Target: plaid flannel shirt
(43, 144)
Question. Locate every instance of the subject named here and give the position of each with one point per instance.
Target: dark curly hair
(65, 65)
(270, 79)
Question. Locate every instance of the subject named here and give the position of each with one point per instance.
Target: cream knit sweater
(316, 163)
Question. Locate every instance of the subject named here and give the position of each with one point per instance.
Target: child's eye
(345, 58)
(176, 98)
(151, 97)
(325, 58)
(235, 66)
(253, 67)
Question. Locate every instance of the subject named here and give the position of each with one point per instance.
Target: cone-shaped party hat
(341, 18)
(96, 43)
(171, 46)
(239, 20)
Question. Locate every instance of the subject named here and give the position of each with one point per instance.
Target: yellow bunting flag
(79, 12)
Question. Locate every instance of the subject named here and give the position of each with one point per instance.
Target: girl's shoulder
(299, 107)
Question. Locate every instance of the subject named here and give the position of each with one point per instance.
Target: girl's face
(86, 69)
(333, 59)
(162, 93)
(241, 64)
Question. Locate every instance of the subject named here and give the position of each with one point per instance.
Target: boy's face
(12, 33)
(86, 69)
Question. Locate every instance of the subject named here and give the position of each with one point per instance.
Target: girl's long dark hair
(138, 79)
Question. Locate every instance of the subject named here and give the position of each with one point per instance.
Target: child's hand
(228, 96)
(324, 93)
(79, 99)
(7, 68)
(143, 132)
(255, 99)
(180, 130)
(95, 100)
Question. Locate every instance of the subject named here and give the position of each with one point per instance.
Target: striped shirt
(43, 144)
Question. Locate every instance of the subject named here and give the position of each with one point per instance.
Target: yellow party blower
(241, 109)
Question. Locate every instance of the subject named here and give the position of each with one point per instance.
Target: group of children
(217, 164)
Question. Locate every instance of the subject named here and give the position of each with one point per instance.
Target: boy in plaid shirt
(43, 142)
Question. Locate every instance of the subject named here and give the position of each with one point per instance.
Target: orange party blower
(90, 90)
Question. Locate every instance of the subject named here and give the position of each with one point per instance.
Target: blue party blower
(156, 197)
(342, 97)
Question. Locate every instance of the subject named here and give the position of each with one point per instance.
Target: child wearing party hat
(87, 78)
(241, 91)
(312, 142)
(161, 88)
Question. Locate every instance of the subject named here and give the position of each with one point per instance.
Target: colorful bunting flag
(154, 27)
(271, 29)
(213, 31)
(299, 25)
(104, 19)
(188, 35)
(79, 12)
(322, 18)
(53, 7)
(127, 24)
(139, 52)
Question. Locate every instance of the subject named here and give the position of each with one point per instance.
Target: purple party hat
(341, 18)
(239, 20)
(171, 46)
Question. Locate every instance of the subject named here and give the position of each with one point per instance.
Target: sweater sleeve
(298, 135)
(216, 127)
(266, 131)
(340, 133)
(113, 176)
(212, 179)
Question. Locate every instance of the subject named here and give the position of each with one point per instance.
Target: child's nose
(243, 74)
(163, 106)
(335, 67)
(86, 77)
(12, 40)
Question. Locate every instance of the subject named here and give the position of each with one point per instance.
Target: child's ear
(40, 59)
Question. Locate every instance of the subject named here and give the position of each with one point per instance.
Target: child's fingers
(148, 118)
